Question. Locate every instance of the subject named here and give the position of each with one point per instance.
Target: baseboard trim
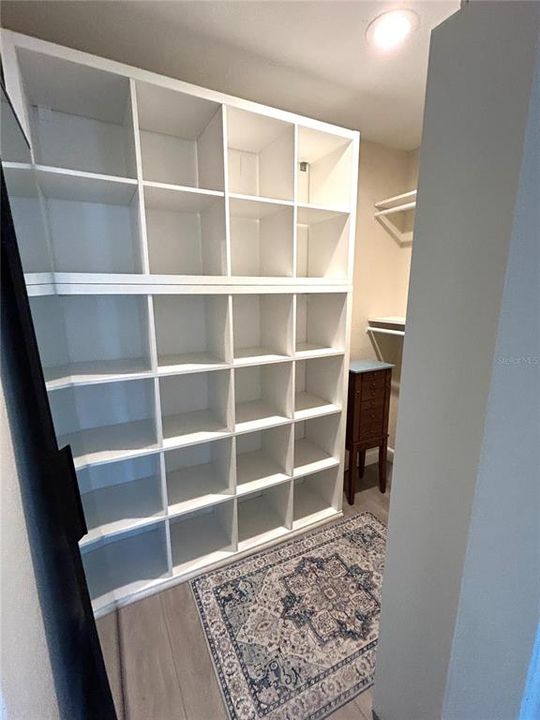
(372, 456)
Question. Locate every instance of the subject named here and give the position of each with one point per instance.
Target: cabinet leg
(361, 463)
(351, 478)
(382, 467)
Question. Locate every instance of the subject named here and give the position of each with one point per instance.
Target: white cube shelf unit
(185, 231)
(262, 328)
(316, 444)
(264, 515)
(199, 475)
(192, 303)
(322, 243)
(192, 332)
(263, 458)
(261, 235)
(263, 396)
(85, 339)
(121, 496)
(320, 324)
(318, 386)
(316, 497)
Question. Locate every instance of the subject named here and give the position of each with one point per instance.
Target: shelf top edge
(27, 42)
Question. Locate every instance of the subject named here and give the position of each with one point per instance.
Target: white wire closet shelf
(191, 300)
(400, 206)
(390, 325)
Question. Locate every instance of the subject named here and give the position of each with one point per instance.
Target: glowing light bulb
(390, 30)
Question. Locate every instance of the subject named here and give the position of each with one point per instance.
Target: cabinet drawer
(371, 414)
(374, 403)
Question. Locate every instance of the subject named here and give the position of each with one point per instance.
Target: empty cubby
(87, 338)
(203, 536)
(320, 323)
(262, 327)
(123, 565)
(192, 332)
(262, 396)
(181, 138)
(119, 496)
(261, 238)
(316, 444)
(105, 422)
(199, 474)
(325, 169)
(195, 407)
(93, 225)
(263, 458)
(260, 155)
(185, 232)
(322, 243)
(264, 515)
(80, 117)
(315, 497)
(318, 386)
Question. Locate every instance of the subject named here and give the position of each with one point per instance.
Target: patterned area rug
(293, 630)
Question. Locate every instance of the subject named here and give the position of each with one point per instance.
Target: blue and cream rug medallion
(293, 630)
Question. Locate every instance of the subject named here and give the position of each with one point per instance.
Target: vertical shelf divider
(143, 240)
(228, 250)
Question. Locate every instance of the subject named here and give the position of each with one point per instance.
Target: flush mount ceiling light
(391, 29)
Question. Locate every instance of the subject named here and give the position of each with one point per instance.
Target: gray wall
(479, 82)
(27, 689)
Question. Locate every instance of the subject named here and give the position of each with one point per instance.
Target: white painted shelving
(192, 303)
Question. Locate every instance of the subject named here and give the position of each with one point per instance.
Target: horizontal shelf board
(261, 200)
(256, 415)
(120, 508)
(126, 565)
(192, 427)
(200, 561)
(254, 208)
(396, 321)
(313, 214)
(257, 356)
(97, 371)
(198, 540)
(397, 199)
(314, 517)
(258, 523)
(113, 442)
(172, 198)
(194, 487)
(143, 284)
(85, 187)
(256, 470)
(308, 350)
(310, 458)
(307, 405)
(189, 362)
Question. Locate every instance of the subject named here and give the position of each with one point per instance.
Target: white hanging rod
(385, 331)
(411, 195)
(396, 209)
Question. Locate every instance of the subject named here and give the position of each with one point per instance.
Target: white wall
(381, 265)
(479, 82)
(27, 686)
(500, 598)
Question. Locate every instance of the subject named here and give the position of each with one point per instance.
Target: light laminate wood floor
(156, 655)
